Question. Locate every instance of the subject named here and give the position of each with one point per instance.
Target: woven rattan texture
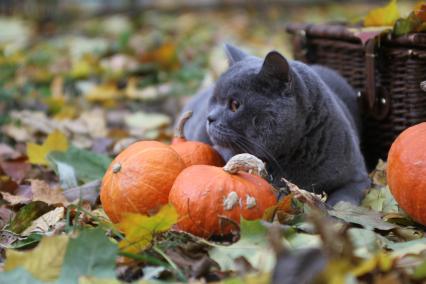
(399, 72)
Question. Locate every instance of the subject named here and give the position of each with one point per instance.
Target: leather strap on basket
(377, 98)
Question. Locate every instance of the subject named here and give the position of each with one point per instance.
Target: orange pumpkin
(139, 179)
(406, 171)
(211, 200)
(194, 152)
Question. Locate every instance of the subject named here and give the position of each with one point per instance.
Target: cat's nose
(210, 119)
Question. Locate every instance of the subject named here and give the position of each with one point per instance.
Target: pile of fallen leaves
(389, 17)
(72, 101)
(56, 232)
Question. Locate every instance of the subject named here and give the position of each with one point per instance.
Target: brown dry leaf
(7, 184)
(57, 87)
(34, 121)
(8, 153)
(19, 134)
(43, 192)
(311, 199)
(6, 215)
(15, 199)
(43, 223)
(378, 175)
(165, 56)
(281, 210)
(16, 169)
(95, 122)
(420, 10)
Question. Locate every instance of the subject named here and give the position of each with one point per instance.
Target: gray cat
(303, 121)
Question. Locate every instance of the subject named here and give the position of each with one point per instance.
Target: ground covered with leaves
(73, 94)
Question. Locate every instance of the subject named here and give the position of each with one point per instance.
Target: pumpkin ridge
(113, 196)
(140, 152)
(126, 196)
(135, 156)
(153, 189)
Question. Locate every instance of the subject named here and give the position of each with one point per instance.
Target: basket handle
(378, 99)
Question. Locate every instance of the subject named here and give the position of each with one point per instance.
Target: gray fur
(303, 121)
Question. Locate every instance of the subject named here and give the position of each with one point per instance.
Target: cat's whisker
(248, 146)
(269, 156)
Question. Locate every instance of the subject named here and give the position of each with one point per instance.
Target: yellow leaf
(336, 271)
(140, 229)
(381, 260)
(44, 262)
(418, 5)
(84, 67)
(383, 16)
(104, 92)
(56, 141)
(94, 280)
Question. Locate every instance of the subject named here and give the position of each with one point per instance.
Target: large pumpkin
(139, 179)
(194, 152)
(406, 171)
(211, 200)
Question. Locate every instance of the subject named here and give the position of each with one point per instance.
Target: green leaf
(31, 240)
(358, 215)
(18, 275)
(303, 240)
(366, 243)
(381, 200)
(420, 271)
(410, 247)
(252, 246)
(88, 166)
(406, 25)
(90, 254)
(66, 175)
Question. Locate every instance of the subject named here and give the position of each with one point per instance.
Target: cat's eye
(234, 105)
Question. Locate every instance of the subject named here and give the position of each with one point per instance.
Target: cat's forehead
(239, 76)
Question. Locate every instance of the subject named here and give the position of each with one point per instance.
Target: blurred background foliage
(63, 57)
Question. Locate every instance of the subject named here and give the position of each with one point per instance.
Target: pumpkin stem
(246, 163)
(181, 124)
(116, 168)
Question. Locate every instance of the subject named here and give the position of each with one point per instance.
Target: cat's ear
(234, 54)
(275, 66)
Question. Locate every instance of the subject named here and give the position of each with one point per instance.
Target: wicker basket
(389, 75)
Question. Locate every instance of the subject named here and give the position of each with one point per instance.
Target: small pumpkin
(211, 200)
(139, 179)
(194, 152)
(406, 171)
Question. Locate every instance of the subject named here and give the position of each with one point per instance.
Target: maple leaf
(44, 262)
(140, 229)
(383, 16)
(55, 142)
